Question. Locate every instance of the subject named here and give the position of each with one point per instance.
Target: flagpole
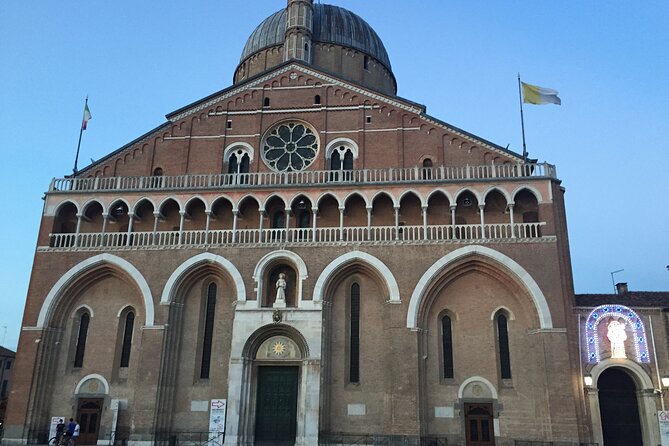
(81, 132)
(522, 119)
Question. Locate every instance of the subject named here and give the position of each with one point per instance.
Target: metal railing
(308, 177)
(358, 234)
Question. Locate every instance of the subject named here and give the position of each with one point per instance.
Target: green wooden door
(276, 410)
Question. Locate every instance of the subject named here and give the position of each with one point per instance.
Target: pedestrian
(60, 430)
(75, 434)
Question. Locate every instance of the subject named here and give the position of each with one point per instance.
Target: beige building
(333, 262)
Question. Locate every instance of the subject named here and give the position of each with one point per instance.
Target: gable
(390, 131)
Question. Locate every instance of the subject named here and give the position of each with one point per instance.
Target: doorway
(276, 408)
(89, 412)
(479, 424)
(619, 408)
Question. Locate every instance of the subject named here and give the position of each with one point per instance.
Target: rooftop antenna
(613, 282)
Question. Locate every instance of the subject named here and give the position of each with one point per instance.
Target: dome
(331, 24)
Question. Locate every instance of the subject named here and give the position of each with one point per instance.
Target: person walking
(75, 433)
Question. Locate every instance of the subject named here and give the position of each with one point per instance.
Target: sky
(139, 60)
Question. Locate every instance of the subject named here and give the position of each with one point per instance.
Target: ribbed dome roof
(332, 24)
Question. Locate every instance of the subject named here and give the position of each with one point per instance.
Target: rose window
(289, 147)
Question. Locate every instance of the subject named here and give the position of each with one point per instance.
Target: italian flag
(87, 117)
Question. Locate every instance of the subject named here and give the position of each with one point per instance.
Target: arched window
(365, 63)
(447, 347)
(279, 220)
(239, 162)
(82, 334)
(354, 339)
(127, 339)
(158, 172)
(266, 102)
(503, 346)
(210, 310)
(317, 99)
(427, 169)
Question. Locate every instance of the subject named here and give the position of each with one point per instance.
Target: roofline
(422, 110)
(119, 150)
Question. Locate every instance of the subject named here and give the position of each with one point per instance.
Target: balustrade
(308, 177)
(357, 234)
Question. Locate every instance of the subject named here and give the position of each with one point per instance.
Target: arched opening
(427, 169)
(355, 214)
(92, 220)
(383, 211)
(66, 219)
(328, 212)
(495, 210)
(275, 210)
(273, 288)
(467, 218)
(195, 218)
(221, 215)
(438, 209)
(144, 218)
(619, 408)
(526, 210)
(301, 209)
(411, 217)
(239, 161)
(170, 217)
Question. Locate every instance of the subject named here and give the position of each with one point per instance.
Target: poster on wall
(54, 423)
(663, 416)
(217, 410)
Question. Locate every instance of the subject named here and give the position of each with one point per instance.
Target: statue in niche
(617, 336)
(281, 284)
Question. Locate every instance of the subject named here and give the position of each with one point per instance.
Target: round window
(290, 146)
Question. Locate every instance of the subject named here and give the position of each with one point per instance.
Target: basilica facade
(321, 262)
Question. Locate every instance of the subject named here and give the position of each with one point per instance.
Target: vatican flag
(539, 96)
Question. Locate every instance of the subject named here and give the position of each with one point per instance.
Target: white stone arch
(326, 194)
(88, 308)
(300, 194)
(279, 196)
(115, 201)
(501, 190)
(506, 310)
(60, 205)
(165, 200)
(443, 191)
(422, 200)
(646, 399)
(207, 205)
(232, 148)
(97, 376)
(538, 298)
(90, 202)
(338, 142)
(140, 200)
(123, 308)
(188, 265)
(480, 379)
(388, 194)
(364, 197)
(474, 192)
(269, 258)
(357, 256)
(82, 267)
(532, 189)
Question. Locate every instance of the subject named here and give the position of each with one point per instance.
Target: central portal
(276, 408)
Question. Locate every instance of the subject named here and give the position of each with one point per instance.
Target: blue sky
(141, 60)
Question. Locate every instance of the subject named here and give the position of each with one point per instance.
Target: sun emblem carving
(291, 146)
(279, 348)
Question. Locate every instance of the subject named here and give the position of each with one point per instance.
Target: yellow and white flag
(539, 95)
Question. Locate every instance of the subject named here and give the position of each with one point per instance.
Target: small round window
(290, 146)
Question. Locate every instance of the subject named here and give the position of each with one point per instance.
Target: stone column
(482, 212)
(424, 209)
(397, 222)
(513, 225)
(369, 223)
(76, 232)
(181, 226)
(131, 219)
(260, 226)
(314, 215)
(156, 217)
(105, 221)
(453, 207)
(206, 227)
(341, 223)
(235, 216)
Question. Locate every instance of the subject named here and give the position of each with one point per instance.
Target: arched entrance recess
(277, 398)
(622, 387)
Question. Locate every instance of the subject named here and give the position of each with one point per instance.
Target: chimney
(621, 288)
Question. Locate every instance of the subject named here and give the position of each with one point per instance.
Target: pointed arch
(324, 195)
(80, 269)
(269, 259)
(63, 203)
(474, 192)
(141, 201)
(423, 285)
(491, 189)
(352, 257)
(205, 258)
(95, 376)
(384, 193)
(410, 192)
(531, 189)
(359, 195)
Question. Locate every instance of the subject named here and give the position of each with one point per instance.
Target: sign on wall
(217, 409)
(663, 417)
(54, 423)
